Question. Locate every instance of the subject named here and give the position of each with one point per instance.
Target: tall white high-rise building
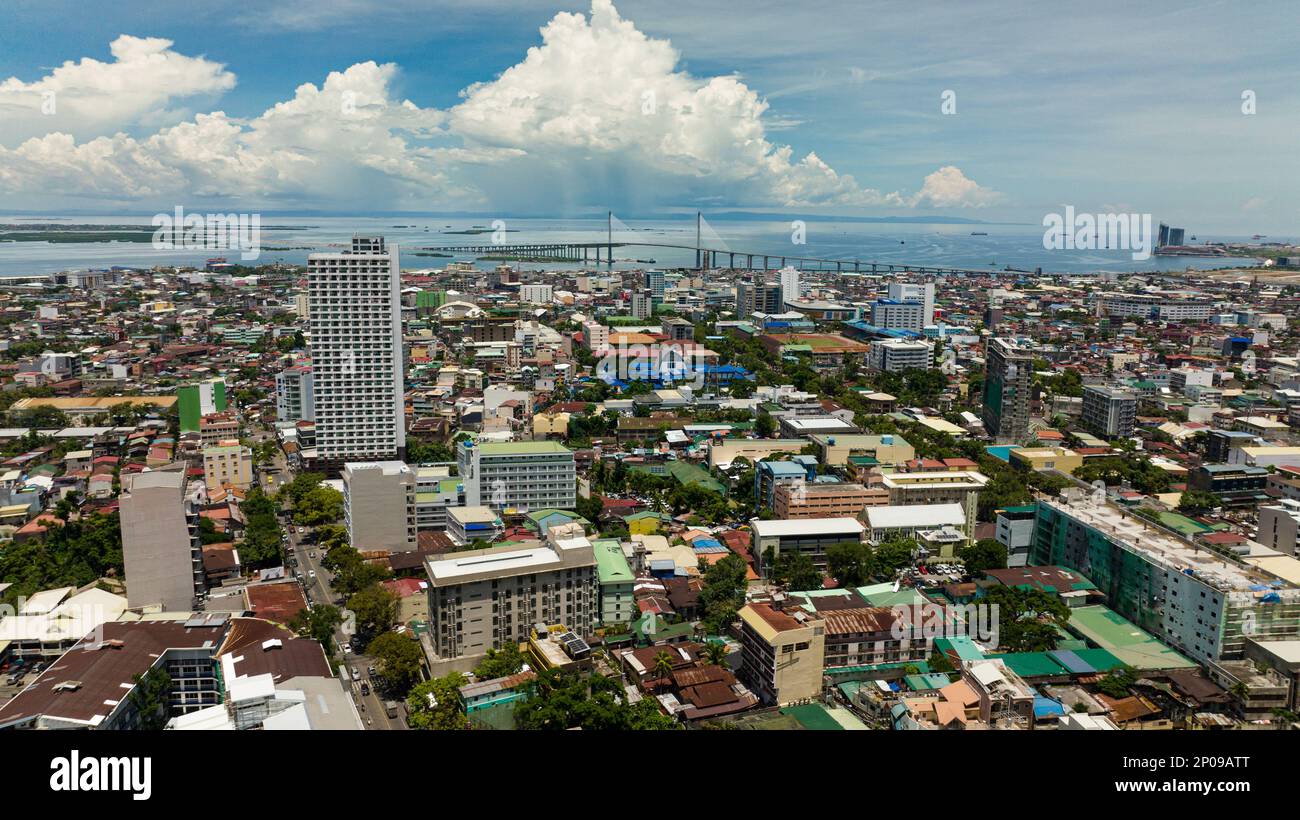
(356, 351)
(789, 285)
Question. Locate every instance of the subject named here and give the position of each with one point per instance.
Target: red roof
(404, 587)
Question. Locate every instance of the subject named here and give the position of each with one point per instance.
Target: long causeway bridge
(705, 258)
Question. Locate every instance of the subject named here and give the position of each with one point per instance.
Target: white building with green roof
(617, 605)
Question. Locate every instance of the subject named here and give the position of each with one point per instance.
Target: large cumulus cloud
(598, 114)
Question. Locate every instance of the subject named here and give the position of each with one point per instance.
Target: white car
(312, 574)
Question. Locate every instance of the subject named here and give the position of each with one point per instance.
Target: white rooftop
(534, 558)
(907, 516)
(1167, 550)
(806, 526)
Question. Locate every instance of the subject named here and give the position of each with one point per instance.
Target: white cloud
(948, 187)
(91, 97)
(598, 114)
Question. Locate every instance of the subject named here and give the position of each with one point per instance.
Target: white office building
(893, 314)
(518, 476)
(536, 294)
(922, 292)
(894, 355)
(789, 278)
(356, 345)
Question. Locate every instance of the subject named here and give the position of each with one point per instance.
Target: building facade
(484, 599)
(1109, 412)
(356, 345)
(228, 463)
(782, 654)
(515, 477)
(379, 506)
(1195, 601)
(161, 552)
(1008, 382)
(295, 394)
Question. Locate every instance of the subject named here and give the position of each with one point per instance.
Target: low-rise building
(468, 524)
(810, 536)
(830, 500)
(782, 654)
(228, 463)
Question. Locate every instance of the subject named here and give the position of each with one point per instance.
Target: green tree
(322, 505)
(74, 554)
(1028, 620)
(795, 570)
(398, 659)
(565, 700)
(894, 555)
(375, 608)
(723, 592)
(500, 663)
(1197, 501)
(590, 508)
(318, 621)
(1118, 684)
(261, 546)
(435, 704)
(984, 554)
(851, 563)
(939, 662)
(716, 652)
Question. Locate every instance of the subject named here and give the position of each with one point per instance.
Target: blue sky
(835, 108)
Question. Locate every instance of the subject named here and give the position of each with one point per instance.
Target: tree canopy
(571, 701)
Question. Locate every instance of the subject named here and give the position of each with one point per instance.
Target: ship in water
(979, 233)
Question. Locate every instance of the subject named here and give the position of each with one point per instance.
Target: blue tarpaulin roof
(1046, 707)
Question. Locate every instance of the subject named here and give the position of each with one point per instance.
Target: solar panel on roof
(1072, 662)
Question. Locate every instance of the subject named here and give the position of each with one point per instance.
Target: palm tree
(663, 665)
(716, 652)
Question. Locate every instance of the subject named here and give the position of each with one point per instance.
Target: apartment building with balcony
(782, 653)
(518, 476)
(1108, 411)
(295, 394)
(356, 344)
(484, 599)
(1196, 601)
(1008, 382)
(228, 463)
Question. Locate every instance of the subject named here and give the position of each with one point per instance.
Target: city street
(319, 591)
